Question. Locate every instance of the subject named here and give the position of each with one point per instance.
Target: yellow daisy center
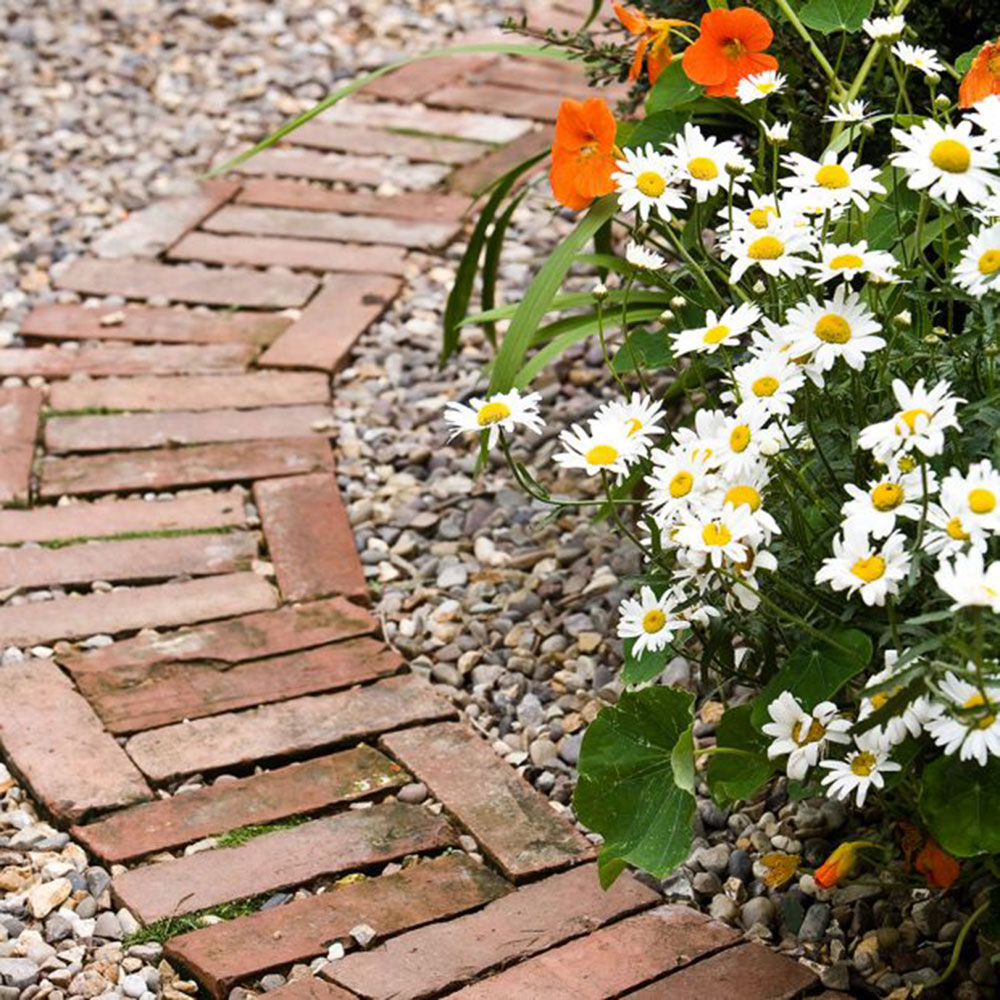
(766, 248)
(760, 217)
(907, 463)
(846, 262)
(833, 329)
(815, 733)
(887, 496)
(982, 501)
(764, 88)
(951, 156)
(492, 413)
(977, 701)
(634, 425)
(716, 334)
(956, 531)
(863, 764)
(653, 620)
(989, 262)
(833, 176)
(602, 454)
(680, 485)
(739, 495)
(716, 533)
(651, 184)
(870, 569)
(909, 418)
(701, 168)
(766, 385)
(739, 438)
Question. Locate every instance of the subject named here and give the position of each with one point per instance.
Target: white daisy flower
(848, 260)
(771, 379)
(503, 411)
(919, 424)
(862, 770)
(681, 477)
(859, 567)
(644, 181)
(886, 499)
(643, 258)
(744, 591)
(802, 735)
(917, 57)
(833, 181)
(718, 331)
(849, 112)
(650, 620)
(776, 253)
(947, 535)
(841, 327)
(717, 536)
(986, 114)
(971, 724)
(884, 29)
(641, 416)
(969, 582)
(808, 208)
(978, 270)
(741, 438)
(975, 496)
(778, 132)
(603, 447)
(910, 722)
(702, 160)
(765, 212)
(946, 160)
(757, 86)
(748, 491)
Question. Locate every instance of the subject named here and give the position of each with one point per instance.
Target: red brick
(562, 79)
(53, 739)
(506, 101)
(310, 988)
(120, 517)
(313, 341)
(256, 220)
(127, 559)
(140, 279)
(513, 823)
(233, 641)
(143, 323)
(134, 698)
(413, 82)
(611, 960)
(296, 194)
(235, 950)
(340, 843)
(749, 971)
(149, 231)
(156, 430)
(172, 467)
(309, 255)
(134, 608)
(309, 538)
(52, 363)
(476, 126)
(349, 138)
(542, 915)
(373, 170)
(261, 798)
(476, 177)
(555, 16)
(19, 411)
(192, 392)
(289, 727)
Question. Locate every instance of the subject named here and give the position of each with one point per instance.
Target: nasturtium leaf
(816, 671)
(960, 803)
(743, 767)
(656, 128)
(645, 348)
(630, 761)
(827, 16)
(672, 89)
(644, 667)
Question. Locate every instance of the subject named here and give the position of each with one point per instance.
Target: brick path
(289, 689)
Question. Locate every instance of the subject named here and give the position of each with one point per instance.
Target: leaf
(491, 263)
(960, 802)
(827, 16)
(630, 761)
(816, 671)
(964, 62)
(672, 89)
(644, 667)
(738, 774)
(656, 128)
(650, 348)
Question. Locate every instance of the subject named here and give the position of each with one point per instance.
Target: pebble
(757, 911)
(816, 921)
(413, 794)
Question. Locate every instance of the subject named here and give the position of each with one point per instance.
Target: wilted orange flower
(654, 37)
(583, 154)
(731, 46)
(936, 865)
(841, 863)
(983, 77)
(780, 868)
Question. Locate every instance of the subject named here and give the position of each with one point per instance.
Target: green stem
(836, 87)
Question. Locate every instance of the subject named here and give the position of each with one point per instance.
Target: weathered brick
(149, 231)
(228, 952)
(348, 138)
(310, 255)
(133, 698)
(19, 412)
(349, 840)
(51, 362)
(513, 823)
(172, 467)
(153, 325)
(157, 430)
(411, 83)
(309, 538)
(260, 221)
(52, 737)
(505, 100)
(296, 194)
(314, 341)
(134, 608)
(289, 727)
(120, 517)
(566, 80)
(749, 971)
(416, 118)
(373, 170)
(611, 960)
(476, 177)
(191, 392)
(233, 641)
(128, 559)
(259, 799)
(309, 988)
(542, 915)
(140, 279)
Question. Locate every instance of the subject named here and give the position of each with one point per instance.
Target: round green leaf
(960, 802)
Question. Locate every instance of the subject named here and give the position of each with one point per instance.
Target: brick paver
(19, 414)
(372, 170)
(475, 177)
(517, 103)
(341, 843)
(261, 798)
(476, 126)
(411, 83)
(96, 359)
(310, 988)
(346, 138)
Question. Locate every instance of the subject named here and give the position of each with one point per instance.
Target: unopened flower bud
(942, 102)
(759, 288)
(939, 331)
(599, 291)
(903, 319)
(932, 338)
(991, 350)
(933, 79)
(735, 169)
(678, 302)
(867, 128)
(769, 447)
(667, 316)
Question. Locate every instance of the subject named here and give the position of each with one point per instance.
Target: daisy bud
(867, 128)
(599, 291)
(932, 338)
(939, 331)
(769, 447)
(942, 102)
(667, 316)
(735, 169)
(933, 79)
(903, 319)
(759, 288)
(991, 350)
(807, 444)
(678, 302)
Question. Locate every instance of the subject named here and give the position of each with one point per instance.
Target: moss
(161, 930)
(62, 543)
(234, 838)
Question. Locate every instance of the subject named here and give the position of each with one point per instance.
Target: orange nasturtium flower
(730, 47)
(841, 863)
(654, 38)
(983, 77)
(936, 865)
(583, 154)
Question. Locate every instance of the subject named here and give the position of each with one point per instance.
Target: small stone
(44, 898)
(836, 976)
(57, 928)
(134, 985)
(363, 935)
(714, 859)
(108, 927)
(735, 889)
(706, 883)
(724, 909)
(413, 794)
(88, 984)
(740, 866)
(928, 916)
(757, 911)
(19, 973)
(272, 981)
(816, 922)
(335, 952)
